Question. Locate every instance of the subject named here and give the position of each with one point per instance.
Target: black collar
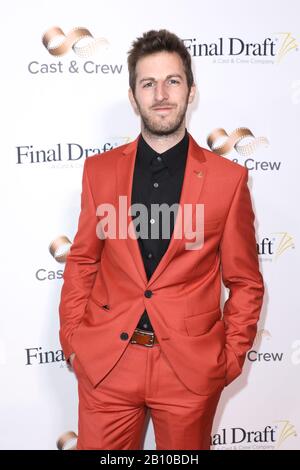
(173, 158)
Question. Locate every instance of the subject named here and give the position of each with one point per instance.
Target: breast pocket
(195, 240)
(210, 225)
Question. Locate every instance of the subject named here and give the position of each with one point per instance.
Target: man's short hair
(158, 41)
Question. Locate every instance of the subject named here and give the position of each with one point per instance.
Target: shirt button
(152, 221)
(124, 336)
(159, 159)
(149, 255)
(155, 185)
(148, 293)
(145, 325)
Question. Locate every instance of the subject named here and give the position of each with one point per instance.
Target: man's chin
(160, 130)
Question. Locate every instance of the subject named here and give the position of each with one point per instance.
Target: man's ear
(132, 100)
(192, 93)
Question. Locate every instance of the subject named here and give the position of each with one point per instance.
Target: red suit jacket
(103, 295)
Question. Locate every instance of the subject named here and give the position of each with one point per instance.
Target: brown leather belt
(146, 338)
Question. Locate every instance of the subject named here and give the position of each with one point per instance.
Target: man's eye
(173, 81)
(148, 85)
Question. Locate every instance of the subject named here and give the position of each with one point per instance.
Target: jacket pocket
(74, 364)
(212, 225)
(201, 323)
(100, 303)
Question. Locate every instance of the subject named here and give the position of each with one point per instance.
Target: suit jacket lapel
(125, 170)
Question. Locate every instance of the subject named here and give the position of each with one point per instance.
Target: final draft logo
(236, 438)
(274, 246)
(287, 44)
(237, 50)
(37, 356)
(65, 155)
(243, 142)
(267, 438)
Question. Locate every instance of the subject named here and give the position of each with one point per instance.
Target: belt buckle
(148, 333)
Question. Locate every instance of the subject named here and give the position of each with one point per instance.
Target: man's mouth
(162, 108)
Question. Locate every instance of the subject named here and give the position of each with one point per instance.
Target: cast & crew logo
(80, 40)
(264, 336)
(254, 355)
(60, 248)
(261, 334)
(295, 357)
(84, 45)
(241, 139)
(244, 143)
(67, 441)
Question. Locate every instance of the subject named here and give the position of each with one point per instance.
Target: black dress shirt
(157, 179)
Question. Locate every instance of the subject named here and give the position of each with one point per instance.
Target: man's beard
(162, 128)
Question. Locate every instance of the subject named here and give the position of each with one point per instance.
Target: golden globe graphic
(59, 248)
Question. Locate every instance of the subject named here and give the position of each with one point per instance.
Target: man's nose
(161, 92)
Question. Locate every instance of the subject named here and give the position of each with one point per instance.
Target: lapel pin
(199, 173)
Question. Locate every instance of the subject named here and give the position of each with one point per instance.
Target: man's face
(161, 94)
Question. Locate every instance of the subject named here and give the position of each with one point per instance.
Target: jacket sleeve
(241, 275)
(81, 267)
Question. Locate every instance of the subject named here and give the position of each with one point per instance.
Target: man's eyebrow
(168, 76)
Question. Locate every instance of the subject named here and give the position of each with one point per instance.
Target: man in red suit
(140, 314)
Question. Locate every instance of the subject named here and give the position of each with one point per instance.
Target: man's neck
(163, 143)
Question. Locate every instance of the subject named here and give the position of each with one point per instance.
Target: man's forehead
(159, 64)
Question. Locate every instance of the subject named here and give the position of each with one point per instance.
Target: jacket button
(124, 336)
(148, 293)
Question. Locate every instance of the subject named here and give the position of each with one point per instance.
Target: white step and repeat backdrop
(58, 110)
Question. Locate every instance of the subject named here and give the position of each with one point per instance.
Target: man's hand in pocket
(71, 359)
